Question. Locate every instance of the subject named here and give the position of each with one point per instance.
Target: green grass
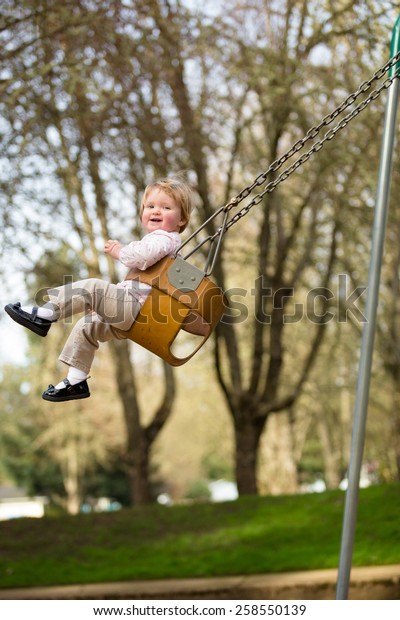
(249, 536)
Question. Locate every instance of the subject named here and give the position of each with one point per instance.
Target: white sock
(74, 376)
(44, 312)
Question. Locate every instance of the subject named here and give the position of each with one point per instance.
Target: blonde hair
(177, 189)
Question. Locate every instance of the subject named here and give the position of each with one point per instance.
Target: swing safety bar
(182, 298)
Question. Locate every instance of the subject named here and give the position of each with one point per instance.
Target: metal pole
(367, 344)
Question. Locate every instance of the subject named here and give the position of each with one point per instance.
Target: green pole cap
(395, 47)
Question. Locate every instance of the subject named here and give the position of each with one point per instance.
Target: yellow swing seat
(182, 298)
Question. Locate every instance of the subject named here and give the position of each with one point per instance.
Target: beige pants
(115, 309)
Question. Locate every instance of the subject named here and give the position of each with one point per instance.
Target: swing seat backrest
(182, 298)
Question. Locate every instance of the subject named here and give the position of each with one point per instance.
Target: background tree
(272, 60)
(97, 102)
(61, 105)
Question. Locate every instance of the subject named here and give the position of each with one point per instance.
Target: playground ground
(369, 583)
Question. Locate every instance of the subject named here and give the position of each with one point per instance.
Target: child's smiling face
(160, 212)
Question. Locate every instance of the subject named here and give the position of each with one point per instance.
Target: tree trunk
(332, 472)
(278, 472)
(71, 477)
(396, 427)
(137, 452)
(139, 473)
(247, 439)
(140, 438)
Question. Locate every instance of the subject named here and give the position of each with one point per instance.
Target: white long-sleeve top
(139, 255)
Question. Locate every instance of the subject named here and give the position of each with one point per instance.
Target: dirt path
(371, 583)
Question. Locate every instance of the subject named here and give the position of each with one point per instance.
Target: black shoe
(31, 321)
(69, 392)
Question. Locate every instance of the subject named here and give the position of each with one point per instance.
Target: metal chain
(314, 131)
(306, 156)
(295, 148)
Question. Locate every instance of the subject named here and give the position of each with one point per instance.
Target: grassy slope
(251, 535)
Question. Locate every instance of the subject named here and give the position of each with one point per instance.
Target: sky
(13, 340)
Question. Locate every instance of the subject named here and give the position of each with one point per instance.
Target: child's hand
(113, 248)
